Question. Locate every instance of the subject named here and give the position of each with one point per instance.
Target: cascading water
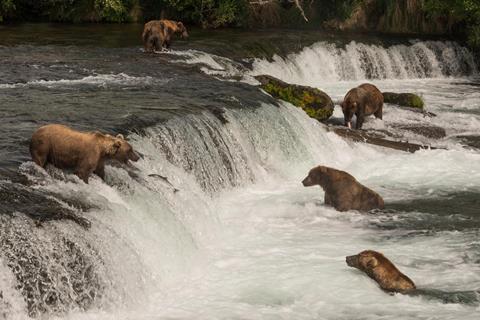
(213, 222)
(325, 62)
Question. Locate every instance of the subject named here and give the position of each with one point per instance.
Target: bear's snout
(307, 182)
(134, 156)
(352, 261)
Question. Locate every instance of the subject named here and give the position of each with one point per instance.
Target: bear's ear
(372, 262)
(120, 136)
(117, 145)
(180, 24)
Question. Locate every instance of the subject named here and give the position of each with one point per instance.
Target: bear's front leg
(85, 169)
(100, 171)
(327, 199)
(360, 120)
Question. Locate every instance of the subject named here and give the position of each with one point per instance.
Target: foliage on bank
(397, 16)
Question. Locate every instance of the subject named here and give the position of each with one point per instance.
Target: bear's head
(316, 176)
(366, 260)
(182, 30)
(124, 151)
(349, 108)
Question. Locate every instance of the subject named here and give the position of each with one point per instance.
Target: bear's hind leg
(379, 113)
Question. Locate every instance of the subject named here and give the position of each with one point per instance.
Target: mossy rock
(404, 99)
(316, 103)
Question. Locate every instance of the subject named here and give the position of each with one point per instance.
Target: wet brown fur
(84, 152)
(362, 101)
(157, 34)
(382, 270)
(342, 190)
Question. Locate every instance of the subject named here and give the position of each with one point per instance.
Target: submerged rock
(429, 131)
(377, 139)
(316, 103)
(410, 100)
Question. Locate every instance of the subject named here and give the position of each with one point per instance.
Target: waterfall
(327, 62)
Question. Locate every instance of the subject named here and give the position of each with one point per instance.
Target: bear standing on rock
(157, 34)
(362, 101)
(343, 191)
(84, 152)
(380, 269)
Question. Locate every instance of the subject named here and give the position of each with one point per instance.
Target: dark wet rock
(429, 131)
(219, 113)
(410, 100)
(39, 206)
(449, 297)
(470, 141)
(54, 273)
(316, 103)
(377, 139)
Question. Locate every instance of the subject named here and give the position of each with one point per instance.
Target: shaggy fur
(157, 34)
(362, 101)
(380, 269)
(84, 152)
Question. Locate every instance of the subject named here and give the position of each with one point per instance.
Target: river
(242, 238)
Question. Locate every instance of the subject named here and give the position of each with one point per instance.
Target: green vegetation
(465, 14)
(460, 17)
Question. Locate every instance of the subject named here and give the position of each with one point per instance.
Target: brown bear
(380, 269)
(362, 101)
(157, 34)
(343, 191)
(84, 152)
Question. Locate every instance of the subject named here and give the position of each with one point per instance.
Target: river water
(242, 238)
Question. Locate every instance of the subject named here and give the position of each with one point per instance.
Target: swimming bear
(343, 191)
(382, 270)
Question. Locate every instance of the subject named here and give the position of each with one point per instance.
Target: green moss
(417, 102)
(311, 101)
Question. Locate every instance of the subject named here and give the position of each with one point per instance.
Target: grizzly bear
(157, 34)
(362, 101)
(84, 152)
(343, 191)
(380, 269)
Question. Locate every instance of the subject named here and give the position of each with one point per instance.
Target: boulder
(316, 103)
(410, 100)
